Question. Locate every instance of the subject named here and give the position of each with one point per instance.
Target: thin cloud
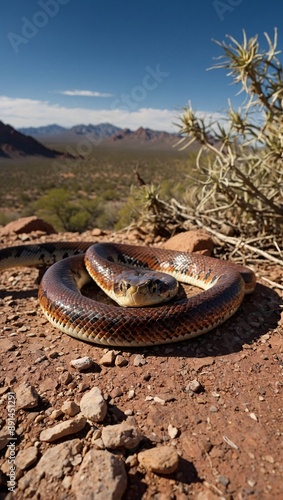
(20, 112)
(84, 93)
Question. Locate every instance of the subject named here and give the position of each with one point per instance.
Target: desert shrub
(109, 215)
(78, 214)
(131, 209)
(57, 207)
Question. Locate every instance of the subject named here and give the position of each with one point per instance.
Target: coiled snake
(224, 284)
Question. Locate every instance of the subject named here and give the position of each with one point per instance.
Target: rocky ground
(200, 419)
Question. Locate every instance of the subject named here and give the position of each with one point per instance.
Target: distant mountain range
(15, 144)
(25, 141)
(104, 134)
(101, 131)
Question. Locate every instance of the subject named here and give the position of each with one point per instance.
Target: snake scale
(224, 284)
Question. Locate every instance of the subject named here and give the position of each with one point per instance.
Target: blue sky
(129, 62)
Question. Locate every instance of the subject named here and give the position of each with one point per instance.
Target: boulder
(196, 240)
(27, 225)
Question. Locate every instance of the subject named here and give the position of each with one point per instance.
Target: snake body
(224, 284)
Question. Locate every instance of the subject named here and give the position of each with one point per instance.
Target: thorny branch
(238, 179)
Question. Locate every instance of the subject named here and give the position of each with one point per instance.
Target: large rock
(27, 225)
(161, 460)
(124, 435)
(55, 463)
(191, 241)
(101, 475)
(93, 405)
(27, 457)
(27, 396)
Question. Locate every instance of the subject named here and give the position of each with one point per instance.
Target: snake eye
(153, 288)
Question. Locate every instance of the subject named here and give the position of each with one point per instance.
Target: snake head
(138, 288)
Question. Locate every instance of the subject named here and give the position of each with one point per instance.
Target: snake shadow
(19, 294)
(258, 314)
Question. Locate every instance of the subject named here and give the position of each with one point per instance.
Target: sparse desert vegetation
(75, 194)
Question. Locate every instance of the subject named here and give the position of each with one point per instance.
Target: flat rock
(27, 225)
(93, 405)
(101, 475)
(191, 241)
(56, 459)
(161, 460)
(124, 435)
(7, 346)
(27, 396)
(27, 457)
(63, 429)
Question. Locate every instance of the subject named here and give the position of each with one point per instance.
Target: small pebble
(56, 414)
(108, 358)
(83, 386)
(148, 398)
(172, 431)
(194, 386)
(53, 354)
(70, 408)
(251, 483)
(38, 419)
(215, 394)
(81, 364)
(131, 394)
(213, 409)
(121, 361)
(65, 378)
(139, 360)
(159, 400)
(223, 480)
(128, 413)
(116, 393)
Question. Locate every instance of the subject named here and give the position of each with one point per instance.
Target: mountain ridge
(104, 134)
(15, 144)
